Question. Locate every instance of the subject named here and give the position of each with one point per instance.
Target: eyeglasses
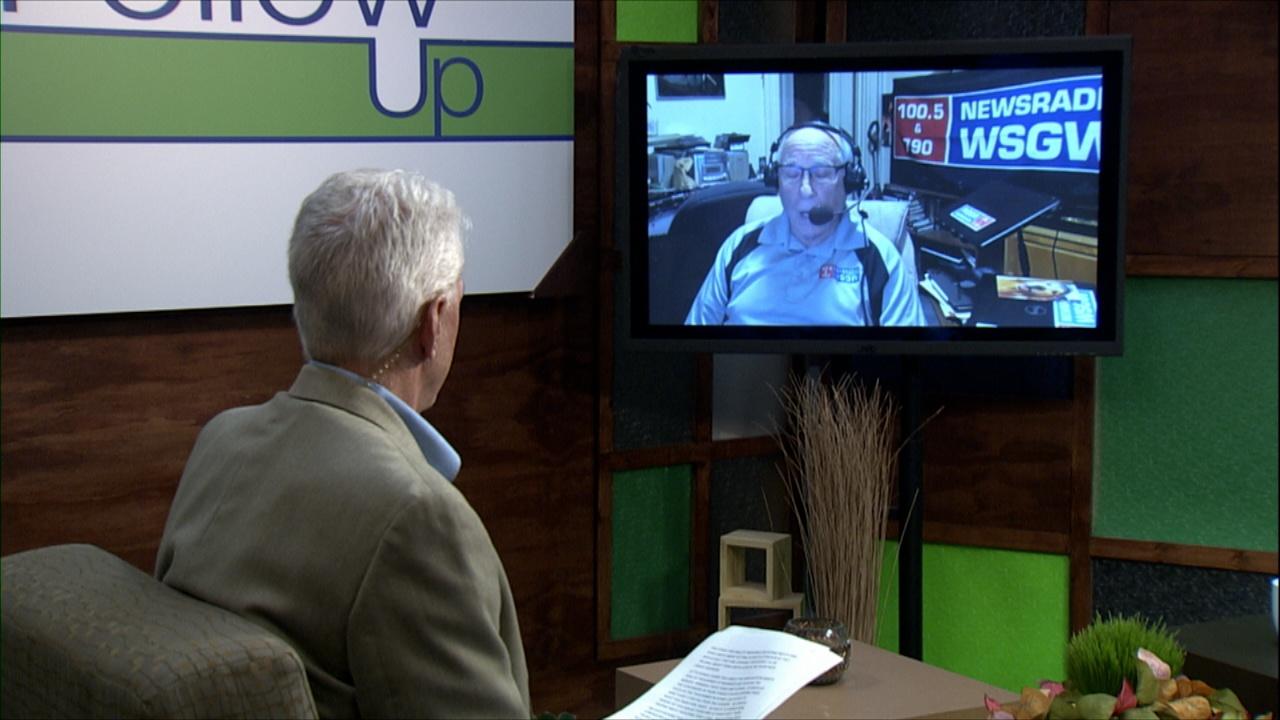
(818, 174)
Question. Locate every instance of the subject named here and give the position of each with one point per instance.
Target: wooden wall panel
(1000, 464)
(1203, 137)
(100, 413)
(519, 406)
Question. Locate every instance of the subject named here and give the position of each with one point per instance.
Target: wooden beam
(988, 537)
(701, 524)
(708, 21)
(604, 558)
(837, 21)
(1096, 16)
(1254, 561)
(608, 53)
(656, 647)
(1080, 530)
(704, 391)
(695, 452)
(1214, 266)
(810, 16)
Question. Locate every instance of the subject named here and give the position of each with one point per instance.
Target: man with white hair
(812, 264)
(327, 514)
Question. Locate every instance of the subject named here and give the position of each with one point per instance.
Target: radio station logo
(1051, 125)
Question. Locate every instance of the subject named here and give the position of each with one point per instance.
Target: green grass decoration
(1101, 656)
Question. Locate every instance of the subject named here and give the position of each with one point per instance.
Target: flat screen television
(894, 198)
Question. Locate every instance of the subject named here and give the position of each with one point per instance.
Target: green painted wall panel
(657, 21)
(652, 514)
(1187, 416)
(995, 615)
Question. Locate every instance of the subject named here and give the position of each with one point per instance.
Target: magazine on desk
(739, 672)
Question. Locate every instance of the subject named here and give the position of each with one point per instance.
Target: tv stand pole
(910, 517)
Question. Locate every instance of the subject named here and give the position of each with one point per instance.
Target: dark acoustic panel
(881, 20)
(1175, 594)
(757, 22)
(653, 395)
(1047, 378)
(746, 494)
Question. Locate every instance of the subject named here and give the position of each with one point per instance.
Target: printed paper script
(739, 672)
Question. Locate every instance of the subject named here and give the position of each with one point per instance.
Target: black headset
(855, 178)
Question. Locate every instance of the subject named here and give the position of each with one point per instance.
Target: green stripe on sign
(114, 86)
(528, 88)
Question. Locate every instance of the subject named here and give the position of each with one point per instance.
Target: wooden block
(790, 601)
(733, 565)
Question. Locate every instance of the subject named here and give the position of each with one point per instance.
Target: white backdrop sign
(153, 153)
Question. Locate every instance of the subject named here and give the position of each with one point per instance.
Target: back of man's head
(369, 248)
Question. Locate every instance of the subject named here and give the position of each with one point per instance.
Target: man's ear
(431, 326)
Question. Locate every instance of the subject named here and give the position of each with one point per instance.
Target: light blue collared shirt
(437, 451)
(785, 282)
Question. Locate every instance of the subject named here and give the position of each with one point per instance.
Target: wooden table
(877, 684)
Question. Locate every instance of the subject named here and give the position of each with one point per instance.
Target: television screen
(961, 197)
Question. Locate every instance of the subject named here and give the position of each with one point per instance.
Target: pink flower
(1127, 698)
(994, 710)
(1159, 668)
(1051, 688)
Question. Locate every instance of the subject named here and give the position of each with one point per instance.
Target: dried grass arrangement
(840, 456)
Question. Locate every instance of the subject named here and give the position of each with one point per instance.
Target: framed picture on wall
(702, 85)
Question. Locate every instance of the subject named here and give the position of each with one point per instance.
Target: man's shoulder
(325, 441)
(282, 410)
(764, 225)
(887, 250)
(233, 419)
(314, 387)
(872, 233)
(749, 235)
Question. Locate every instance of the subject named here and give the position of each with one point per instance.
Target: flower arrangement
(1137, 660)
(1101, 656)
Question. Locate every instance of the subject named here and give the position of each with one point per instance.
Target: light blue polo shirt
(784, 282)
(437, 451)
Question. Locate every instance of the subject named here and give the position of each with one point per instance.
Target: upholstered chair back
(87, 635)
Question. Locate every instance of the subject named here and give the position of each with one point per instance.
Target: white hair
(844, 150)
(369, 249)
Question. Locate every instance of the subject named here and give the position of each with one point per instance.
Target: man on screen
(812, 264)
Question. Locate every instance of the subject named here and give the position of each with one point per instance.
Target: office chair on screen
(679, 260)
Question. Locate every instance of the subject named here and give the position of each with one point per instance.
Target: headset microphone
(821, 215)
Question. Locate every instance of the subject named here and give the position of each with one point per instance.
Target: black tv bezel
(1111, 53)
